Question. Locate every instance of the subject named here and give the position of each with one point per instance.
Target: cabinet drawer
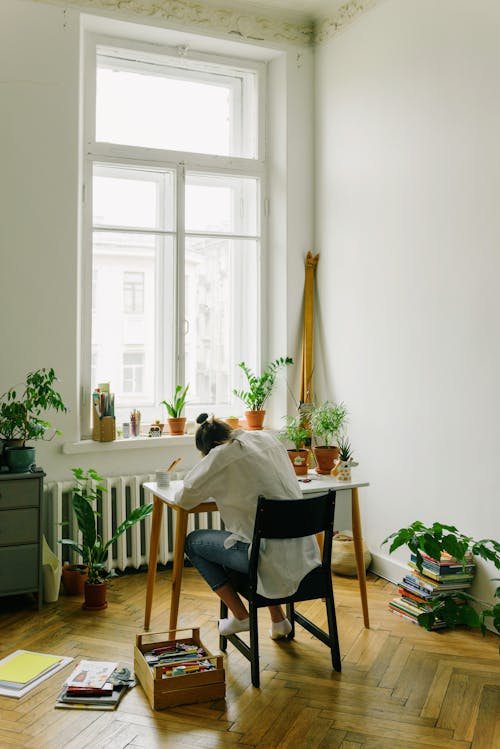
(15, 494)
(19, 527)
(19, 568)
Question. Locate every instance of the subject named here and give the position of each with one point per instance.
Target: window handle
(186, 327)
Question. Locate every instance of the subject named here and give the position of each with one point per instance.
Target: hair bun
(201, 419)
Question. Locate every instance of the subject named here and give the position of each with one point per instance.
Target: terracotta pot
(177, 426)
(233, 423)
(73, 578)
(255, 419)
(325, 458)
(95, 596)
(299, 461)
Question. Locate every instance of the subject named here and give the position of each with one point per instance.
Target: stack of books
(23, 670)
(419, 589)
(95, 685)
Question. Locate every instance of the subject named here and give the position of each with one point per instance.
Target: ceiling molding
(346, 14)
(188, 14)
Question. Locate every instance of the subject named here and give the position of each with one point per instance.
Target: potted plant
(233, 422)
(343, 468)
(452, 607)
(21, 409)
(259, 388)
(296, 433)
(327, 421)
(93, 550)
(176, 422)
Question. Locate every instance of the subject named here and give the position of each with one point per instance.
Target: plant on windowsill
(93, 550)
(457, 607)
(21, 409)
(327, 421)
(176, 422)
(296, 433)
(259, 389)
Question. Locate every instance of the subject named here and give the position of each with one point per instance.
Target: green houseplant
(327, 421)
(296, 432)
(346, 462)
(21, 410)
(93, 549)
(259, 389)
(457, 607)
(175, 407)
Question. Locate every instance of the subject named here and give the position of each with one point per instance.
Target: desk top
(317, 485)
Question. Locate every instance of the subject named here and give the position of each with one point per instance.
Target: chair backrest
(293, 518)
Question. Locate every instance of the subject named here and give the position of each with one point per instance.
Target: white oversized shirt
(234, 474)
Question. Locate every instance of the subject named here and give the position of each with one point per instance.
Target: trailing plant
(176, 405)
(261, 386)
(452, 607)
(21, 408)
(294, 432)
(93, 549)
(327, 421)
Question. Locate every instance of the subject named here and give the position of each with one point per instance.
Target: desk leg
(358, 550)
(178, 564)
(154, 545)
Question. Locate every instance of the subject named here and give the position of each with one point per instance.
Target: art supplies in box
(103, 415)
(179, 670)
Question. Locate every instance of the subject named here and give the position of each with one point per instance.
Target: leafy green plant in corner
(294, 432)
(453, 607)
(93, 549)
(260, 387)
(21, 408)
(176, 405)
(327, 421)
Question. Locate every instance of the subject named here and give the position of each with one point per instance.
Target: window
(173, 227)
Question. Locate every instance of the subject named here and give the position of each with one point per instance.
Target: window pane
(221, 302)
(162, 103)
(133, 293)
(127, 346)
(222, 204)
(127, 197)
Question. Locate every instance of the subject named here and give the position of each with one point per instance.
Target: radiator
(123, 493)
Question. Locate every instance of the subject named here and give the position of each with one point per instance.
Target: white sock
(280, 629)
(232, 625)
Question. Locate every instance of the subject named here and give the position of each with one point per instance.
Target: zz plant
(433, 540)
(260, 387)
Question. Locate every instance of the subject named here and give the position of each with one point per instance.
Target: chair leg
(333, 632)
(223, 615)
(254, 646)
(290, 615)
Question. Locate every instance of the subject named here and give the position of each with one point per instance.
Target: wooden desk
(161, 496)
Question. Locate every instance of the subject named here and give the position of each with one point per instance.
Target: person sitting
(238, 466)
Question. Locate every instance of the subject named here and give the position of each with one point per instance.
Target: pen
(173, 464)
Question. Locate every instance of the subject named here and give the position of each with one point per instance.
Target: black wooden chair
(286, 518)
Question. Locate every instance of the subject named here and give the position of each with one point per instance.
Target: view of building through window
(175, 241)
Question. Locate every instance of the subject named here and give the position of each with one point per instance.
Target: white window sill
(132, 443)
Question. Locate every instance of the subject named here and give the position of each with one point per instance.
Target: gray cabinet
(21, 498)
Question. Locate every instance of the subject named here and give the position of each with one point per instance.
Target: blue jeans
(205, 550)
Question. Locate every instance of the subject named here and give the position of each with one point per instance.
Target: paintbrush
(173, 464)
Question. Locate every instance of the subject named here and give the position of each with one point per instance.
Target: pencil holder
(103, 428)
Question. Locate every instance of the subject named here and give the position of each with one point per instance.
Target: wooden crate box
(168, 691)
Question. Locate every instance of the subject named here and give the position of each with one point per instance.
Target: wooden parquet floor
(400, 686)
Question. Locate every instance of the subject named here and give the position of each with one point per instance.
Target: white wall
(39, 204)
(408, 177)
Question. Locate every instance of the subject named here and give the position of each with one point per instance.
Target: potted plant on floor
(436, 541)
(93, 550)
(327, 421)
(259, 388)
(21, 410)
(176, 422)
(296, 433)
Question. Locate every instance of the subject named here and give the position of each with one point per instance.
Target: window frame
(94, 152)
